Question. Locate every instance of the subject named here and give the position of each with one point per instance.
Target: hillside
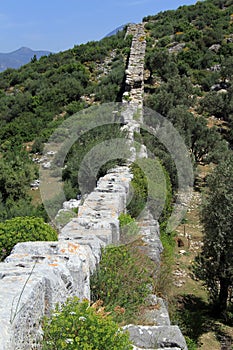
(19, 57)
(189, 62)
(188, 80)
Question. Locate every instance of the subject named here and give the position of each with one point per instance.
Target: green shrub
(129, 229)
(23, 229)
(125, 219)
(139, 185)
(80, 326)
(123, 280)
(191, 344)
(164, 278)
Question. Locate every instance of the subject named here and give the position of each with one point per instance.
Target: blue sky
(57, 25)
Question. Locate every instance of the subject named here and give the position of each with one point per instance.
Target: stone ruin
(37, 275)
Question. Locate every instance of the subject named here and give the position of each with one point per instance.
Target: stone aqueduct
(37, 275)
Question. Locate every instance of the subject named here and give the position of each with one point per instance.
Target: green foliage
(52, 87)
(139, 189)
(77, 325)
(129, 228)
(23, 229)
(125, 219)
(122, 280)
(164, 276)
(159, 150)
(214, 264)
(21, 207)
(215, 104)
(85, 144)
(191, 344)
(16, 172)
(191, 314)
(172, 75)
(110, 86)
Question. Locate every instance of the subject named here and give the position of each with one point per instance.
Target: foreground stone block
(27, 293)
(77, 260)
(35, 277)
(155, 337)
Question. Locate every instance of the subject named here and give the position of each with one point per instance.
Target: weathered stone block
(154, 337)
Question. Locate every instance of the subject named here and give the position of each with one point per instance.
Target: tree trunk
(223, 295)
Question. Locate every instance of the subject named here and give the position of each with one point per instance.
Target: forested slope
(36, 98)
(189, 74)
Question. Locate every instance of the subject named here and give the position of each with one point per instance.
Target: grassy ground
(189, 306)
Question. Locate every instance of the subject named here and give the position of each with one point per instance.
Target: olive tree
(214, 265)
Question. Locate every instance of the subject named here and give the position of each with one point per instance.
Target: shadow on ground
(195, 317)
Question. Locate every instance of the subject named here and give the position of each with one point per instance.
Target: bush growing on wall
(23, 229)
(123, 280)
(139, 185)
(80, 326)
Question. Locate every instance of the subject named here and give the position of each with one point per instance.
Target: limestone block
(87, 239)
(157, 313)
(143, 152)
(72, 261)
(107, 230)
(72, 203)
(149, 230)
(19, 326)
(27, 292)
(154, 337)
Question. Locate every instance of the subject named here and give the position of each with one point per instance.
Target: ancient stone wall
(37, 275)
(134, 84)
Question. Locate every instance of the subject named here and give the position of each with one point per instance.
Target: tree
(23, 229)
(214, 265)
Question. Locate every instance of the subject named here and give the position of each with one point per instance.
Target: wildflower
(69, 341)
(72, 313)
(82, 318)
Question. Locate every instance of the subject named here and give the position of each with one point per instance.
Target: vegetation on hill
(214, 265)
(36, 99)
(189, 81)
(189, 63)
(189, 68)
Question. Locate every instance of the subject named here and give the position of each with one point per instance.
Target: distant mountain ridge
(19, 57)
(23, 55)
